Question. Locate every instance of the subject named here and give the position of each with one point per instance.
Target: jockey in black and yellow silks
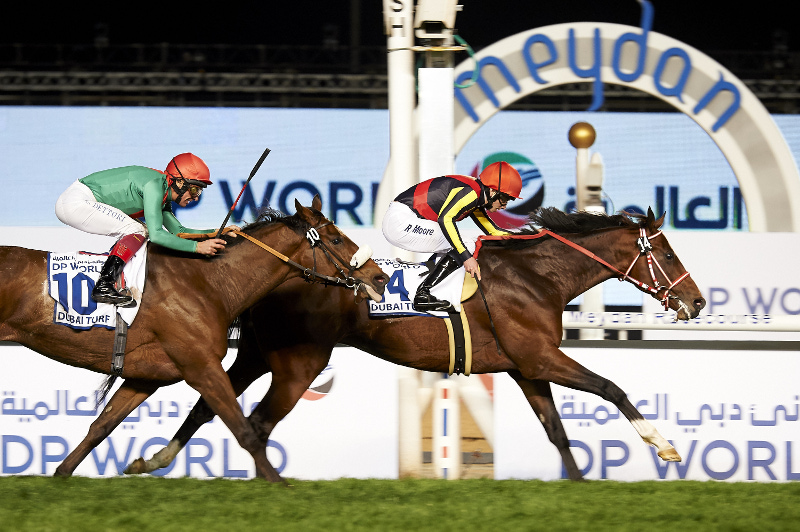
(423, 219)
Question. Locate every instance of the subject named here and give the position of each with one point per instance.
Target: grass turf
(147, 503)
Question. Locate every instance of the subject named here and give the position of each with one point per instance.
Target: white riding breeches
(77, 207)
(404, 229)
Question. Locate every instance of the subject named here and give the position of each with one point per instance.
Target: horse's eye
(670, 255)
(336, 241)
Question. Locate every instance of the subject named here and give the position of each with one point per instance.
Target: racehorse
(181, 330)
(528, 282)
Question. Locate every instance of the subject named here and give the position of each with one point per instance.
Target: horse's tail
(102, 393)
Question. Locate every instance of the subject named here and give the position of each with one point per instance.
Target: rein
(311, 274)
(645, 248)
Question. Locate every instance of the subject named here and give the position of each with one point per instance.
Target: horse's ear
(652, 223)
(316, 203)
(302, 211)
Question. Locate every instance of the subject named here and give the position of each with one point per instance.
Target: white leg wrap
(162, 458)
(651, 436)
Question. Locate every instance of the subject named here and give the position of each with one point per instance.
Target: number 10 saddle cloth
(71, 278)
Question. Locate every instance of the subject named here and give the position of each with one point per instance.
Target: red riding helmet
(502, 177)
(190, 168)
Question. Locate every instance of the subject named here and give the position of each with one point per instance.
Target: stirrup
(422, 304)
(107, 294)
(118, 300)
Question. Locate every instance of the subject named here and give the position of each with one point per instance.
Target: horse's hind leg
(540, 397)
(560, 369)
(244, 371)
(129, 396)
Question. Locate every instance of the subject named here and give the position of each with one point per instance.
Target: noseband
(646, 249)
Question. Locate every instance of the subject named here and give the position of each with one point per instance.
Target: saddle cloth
(404, 279)
(71, 277)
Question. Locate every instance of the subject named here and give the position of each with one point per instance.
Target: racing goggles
(502, 197)
(195, 188)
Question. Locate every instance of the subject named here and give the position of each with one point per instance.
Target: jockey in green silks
(110, 201)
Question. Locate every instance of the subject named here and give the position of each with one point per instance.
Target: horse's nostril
(699, 303)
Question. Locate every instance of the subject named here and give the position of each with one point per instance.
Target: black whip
(255, 169)
(491, 322)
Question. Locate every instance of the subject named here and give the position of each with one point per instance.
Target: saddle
(404, 279)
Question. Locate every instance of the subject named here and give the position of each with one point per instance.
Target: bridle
(310, 274)
(661, 292)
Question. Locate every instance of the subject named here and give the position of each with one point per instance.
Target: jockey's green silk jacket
(139, 191)
(447, 200)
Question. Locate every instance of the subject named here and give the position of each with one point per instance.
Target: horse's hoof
(670, 455)
(135, 468)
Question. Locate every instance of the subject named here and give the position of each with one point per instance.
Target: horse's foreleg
(215, 387)
(129, 396)
(540, 397)
(560, 369)
(244, 371)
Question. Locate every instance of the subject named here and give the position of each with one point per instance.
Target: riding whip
(491, 322)
(255, 169)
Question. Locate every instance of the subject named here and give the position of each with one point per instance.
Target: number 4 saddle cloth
(405, 278)
(71, 278)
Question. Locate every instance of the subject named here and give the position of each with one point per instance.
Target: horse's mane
(559, 222)
(581, 222)
(268, 216)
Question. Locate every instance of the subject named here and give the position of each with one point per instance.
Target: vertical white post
(409, 426)
(401, 174)
(588, 183)
(446, 430)
(402, 168)
(435, 117)
(437, 158)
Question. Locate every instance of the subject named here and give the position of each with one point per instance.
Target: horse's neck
(572, 271)
(617, 247)
(246, 273)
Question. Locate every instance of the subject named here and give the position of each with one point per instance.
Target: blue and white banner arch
(672, 71)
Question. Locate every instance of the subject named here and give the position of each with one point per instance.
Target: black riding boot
(104, 291)
(423, 300)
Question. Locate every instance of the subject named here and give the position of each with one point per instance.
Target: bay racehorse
(527, 281)
(180, 332)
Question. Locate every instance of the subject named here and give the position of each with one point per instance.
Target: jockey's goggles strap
(187, 183)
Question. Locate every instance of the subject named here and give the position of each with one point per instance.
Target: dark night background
(707, 26)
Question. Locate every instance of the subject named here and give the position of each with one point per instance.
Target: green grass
(147, 503)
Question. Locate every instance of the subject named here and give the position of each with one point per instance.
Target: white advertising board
(731, 415)
(348, 428)
(738, 274)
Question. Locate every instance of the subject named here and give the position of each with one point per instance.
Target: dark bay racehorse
(180, 332)
(528, 283)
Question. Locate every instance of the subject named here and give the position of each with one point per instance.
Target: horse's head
(333, 254)
(659, 266)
